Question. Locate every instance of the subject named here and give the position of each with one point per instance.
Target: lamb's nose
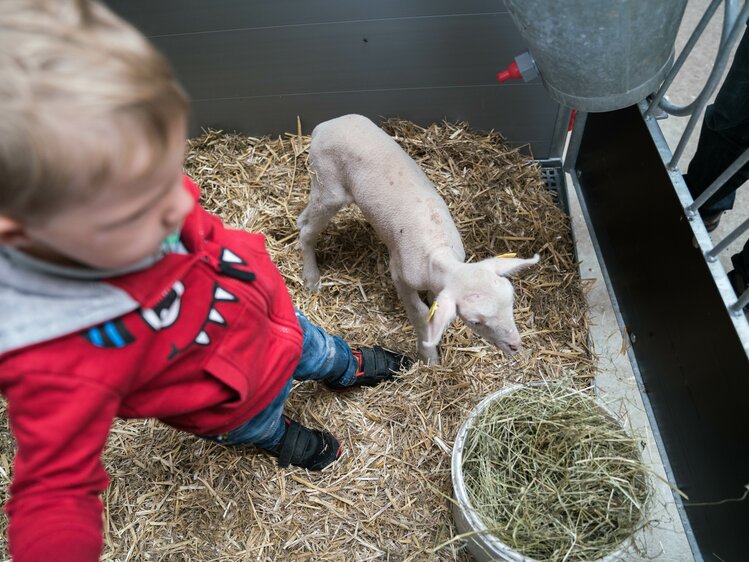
(515, 347)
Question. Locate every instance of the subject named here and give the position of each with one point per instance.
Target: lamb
(352, 160)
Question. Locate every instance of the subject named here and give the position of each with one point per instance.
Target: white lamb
(354, 161)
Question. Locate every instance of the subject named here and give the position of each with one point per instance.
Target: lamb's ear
(508, 266)
(441, 313)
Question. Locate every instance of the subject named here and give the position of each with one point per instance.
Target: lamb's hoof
(312, 285)
(429, 357)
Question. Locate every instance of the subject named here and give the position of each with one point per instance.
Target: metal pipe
(712, 255)
(574, 147)
(718, 183)
(683, 55)
(559, 137)
(729, 18)
(738, 306)
(720, 65)
(730, 14)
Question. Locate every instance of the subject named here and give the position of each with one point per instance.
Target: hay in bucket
(174, 497)
(554, 476)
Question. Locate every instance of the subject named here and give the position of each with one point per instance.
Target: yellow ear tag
(508, 255)
(432, 310)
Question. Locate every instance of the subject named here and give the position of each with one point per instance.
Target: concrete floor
(665, 539)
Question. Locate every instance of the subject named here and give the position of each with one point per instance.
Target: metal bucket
(600, 55)
(483, 546)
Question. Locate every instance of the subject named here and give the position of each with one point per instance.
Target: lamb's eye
(474, 323)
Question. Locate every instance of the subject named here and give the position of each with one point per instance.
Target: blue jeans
(324, 357)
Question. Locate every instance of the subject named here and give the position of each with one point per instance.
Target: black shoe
(306, 448)
(376, 365)
(711, 220)
(739, 284)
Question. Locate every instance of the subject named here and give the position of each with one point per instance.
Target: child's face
(125, 221)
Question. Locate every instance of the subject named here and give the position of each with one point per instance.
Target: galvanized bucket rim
(459, 490)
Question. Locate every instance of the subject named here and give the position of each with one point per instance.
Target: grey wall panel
(340, 57)
(166, 17)
(477, 105)
(254, 66)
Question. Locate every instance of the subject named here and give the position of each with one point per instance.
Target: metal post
(559, 136)
(575, 138)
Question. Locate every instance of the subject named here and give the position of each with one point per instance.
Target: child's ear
(11, 232)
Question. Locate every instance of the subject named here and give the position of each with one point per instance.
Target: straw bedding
(174, 497)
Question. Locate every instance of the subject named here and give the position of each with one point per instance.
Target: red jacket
(214, 342)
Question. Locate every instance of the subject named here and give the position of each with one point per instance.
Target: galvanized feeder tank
(599, 55)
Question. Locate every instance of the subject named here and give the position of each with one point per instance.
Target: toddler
(120, 295)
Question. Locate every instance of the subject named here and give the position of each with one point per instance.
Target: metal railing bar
(712, 255)
(738, 306)
(718, 183)
(717, 270)
(721, 62)
(730, 15)
(683, 55)
(729, 19)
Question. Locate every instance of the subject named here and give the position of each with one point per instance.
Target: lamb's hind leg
(323, 204)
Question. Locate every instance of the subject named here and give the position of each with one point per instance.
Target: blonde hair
(80, 91)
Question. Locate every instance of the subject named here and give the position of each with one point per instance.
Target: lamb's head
(482, 296)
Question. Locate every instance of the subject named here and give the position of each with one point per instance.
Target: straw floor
(174, 497)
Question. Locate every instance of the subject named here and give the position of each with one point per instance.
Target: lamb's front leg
(417, 313)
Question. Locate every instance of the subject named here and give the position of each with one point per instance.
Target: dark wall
(253, 66)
